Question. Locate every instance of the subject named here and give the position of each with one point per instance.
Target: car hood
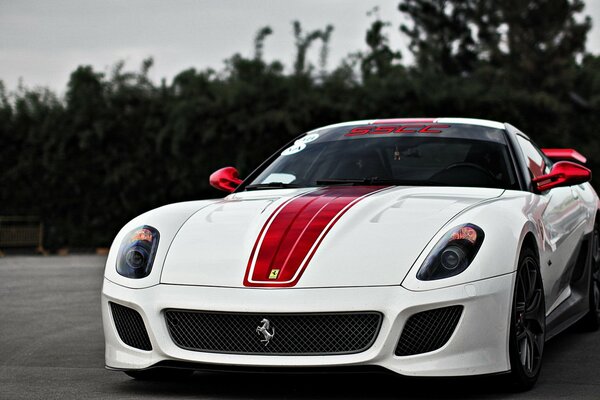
(314, 237)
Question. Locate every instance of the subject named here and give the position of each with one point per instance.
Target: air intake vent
(273, 334)
(130, 327)
(428, 330)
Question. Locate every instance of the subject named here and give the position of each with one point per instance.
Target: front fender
(505, 222)
(167, 220)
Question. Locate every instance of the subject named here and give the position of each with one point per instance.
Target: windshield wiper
(272, 185)
(376, 181)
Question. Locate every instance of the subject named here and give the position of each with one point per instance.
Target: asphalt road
(51, 347)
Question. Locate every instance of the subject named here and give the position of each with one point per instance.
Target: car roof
(444, 120)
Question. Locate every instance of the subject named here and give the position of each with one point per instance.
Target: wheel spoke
(523, 350)
(533, 308)
(529, 365)
(532, 278)
(523, 282)
(596, 295)
(596, 271)
(537, 344)
(526, 358)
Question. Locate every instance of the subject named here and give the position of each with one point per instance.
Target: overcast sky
(42, 41)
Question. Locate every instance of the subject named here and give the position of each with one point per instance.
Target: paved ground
(51, 347)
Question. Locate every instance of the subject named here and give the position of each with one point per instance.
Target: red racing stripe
(292, 234)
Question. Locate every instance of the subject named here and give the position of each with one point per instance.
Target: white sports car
(427, 247)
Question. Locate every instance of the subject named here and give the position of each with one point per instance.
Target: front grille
(130, 327)
(294, 334)
(428, 330)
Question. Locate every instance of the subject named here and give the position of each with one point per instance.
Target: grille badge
(263, 329)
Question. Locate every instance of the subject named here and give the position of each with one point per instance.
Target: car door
(562, 223)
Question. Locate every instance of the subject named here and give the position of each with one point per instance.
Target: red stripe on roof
(405, 121)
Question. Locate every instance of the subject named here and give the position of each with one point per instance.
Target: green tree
(441, 34)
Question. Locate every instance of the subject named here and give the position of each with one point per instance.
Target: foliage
(118, 144)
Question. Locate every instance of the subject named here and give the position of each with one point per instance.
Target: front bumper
(479, 344)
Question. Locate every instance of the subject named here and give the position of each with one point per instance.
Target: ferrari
(425, 247)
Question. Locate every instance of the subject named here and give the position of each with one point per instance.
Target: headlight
(453, 253)
(137, 252)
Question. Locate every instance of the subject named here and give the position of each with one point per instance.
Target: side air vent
(130, 327)
(428, 330)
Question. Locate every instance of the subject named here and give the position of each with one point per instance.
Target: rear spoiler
(564, 155)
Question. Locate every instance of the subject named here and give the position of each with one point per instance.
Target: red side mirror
(564, 155)
(225, 179)
(563, 173)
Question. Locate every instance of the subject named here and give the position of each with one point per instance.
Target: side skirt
(576, 305)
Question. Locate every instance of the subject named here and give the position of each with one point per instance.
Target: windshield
(435, 154)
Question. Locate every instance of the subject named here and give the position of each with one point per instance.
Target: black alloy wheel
(591, 321)
(528, 322)
(595, 289)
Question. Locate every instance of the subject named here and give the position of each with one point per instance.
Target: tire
(159, 374)
(527, 323)
(591, 321)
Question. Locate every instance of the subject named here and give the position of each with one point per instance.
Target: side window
(536, 161)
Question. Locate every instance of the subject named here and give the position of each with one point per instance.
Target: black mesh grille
(130, 327)
(294, 334)
(428, 330)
